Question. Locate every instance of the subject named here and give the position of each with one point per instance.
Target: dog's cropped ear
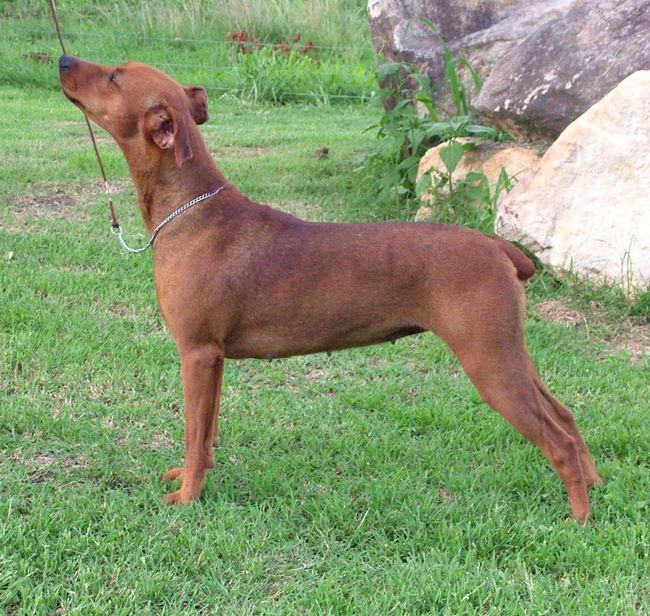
(198, 103)
(168, 129)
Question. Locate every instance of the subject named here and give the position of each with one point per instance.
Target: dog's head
(135, 101)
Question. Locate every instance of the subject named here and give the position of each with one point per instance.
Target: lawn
(374, 481)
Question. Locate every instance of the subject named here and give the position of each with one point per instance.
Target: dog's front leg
(202, 372)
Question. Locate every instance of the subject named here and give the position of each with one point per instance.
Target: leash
(117, 231)
(107, 189)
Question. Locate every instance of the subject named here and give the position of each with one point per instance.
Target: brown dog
(238, 279)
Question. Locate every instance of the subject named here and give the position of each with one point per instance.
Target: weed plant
(469, 200)
(410, 124)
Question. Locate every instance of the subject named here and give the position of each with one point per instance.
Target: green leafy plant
(412, 122)
(471, 198)
(456, 86)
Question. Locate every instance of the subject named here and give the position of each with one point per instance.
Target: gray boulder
(540, 86)
(481, 32)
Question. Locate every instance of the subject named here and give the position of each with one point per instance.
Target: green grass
(371, 482)
(189, 41)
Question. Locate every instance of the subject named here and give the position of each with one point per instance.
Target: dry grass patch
(56, 201)
(244, 152)
(631, 335)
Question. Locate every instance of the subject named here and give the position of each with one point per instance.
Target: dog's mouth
(74, 100)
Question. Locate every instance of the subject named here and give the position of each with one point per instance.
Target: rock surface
(540, 86)
(481, 32)
(487, 157)
(586, 207)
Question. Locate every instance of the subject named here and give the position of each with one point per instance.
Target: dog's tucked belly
(266, 344)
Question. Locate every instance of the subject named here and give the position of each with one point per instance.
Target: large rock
(587, 206)
(540, 86)
(481, 32)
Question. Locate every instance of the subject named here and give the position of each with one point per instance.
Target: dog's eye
(111, 77)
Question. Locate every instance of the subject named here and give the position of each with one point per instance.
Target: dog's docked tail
(524, 266)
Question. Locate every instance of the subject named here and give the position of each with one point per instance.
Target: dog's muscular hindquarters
(238, 279)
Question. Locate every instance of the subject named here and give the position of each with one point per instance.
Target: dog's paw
(175, 473)
(593, 480)
(180, 497)
(175, 498)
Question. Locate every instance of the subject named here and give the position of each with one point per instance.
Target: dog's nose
(66, 62)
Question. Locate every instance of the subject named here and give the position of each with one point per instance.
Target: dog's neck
(162, 186)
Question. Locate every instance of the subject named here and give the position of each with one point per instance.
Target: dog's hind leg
(513, 393)
(566, 420)
(486, 334)
(517, 399)
(201, 370)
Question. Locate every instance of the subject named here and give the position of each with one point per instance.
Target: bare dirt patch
(629, 335)
(41, 467)
(555, 311)
(162, 440)
(56, 201)
(633, 339)
(239, 151)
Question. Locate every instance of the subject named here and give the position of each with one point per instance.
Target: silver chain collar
(117, 231)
